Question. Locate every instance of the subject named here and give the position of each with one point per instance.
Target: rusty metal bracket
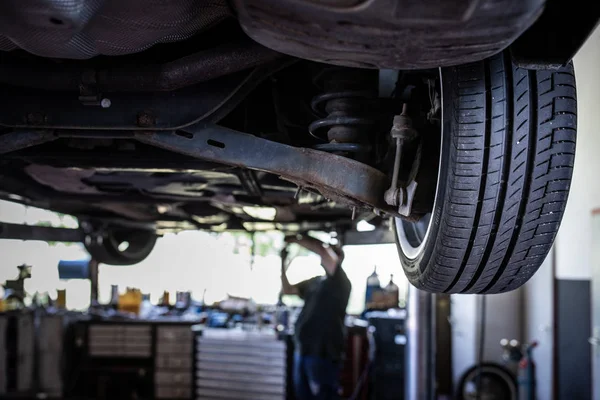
(335, 177)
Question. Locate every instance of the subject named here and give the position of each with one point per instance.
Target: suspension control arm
(337, 178)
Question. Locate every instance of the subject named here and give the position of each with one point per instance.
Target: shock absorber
(344, 110)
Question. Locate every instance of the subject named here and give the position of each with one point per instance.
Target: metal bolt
(105, 103)
(378, 212)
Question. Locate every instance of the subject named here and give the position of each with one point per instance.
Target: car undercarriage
(147, 118)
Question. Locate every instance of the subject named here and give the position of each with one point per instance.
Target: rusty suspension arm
(335, 177)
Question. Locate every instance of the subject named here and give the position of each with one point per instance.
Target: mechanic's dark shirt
(320, 326)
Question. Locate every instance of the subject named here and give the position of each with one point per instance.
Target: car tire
(106, 248)
(507, 152)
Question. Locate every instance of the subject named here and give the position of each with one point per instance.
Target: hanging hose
(361, 382)
(367, 369)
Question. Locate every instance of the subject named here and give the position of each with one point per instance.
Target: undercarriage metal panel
(544, 46)
(93, 78)
(82, 29)
(335, 177)
(37, 109)
(392, 34)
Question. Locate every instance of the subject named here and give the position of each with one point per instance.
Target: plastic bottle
(392, 292)
(146, 307)
(131, 301)
(61, 299)
(373, 285)
(165, 300)
(114, 296)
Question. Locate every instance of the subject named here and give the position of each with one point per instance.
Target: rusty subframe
(336, 177)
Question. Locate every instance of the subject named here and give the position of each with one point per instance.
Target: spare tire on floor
(507, 152)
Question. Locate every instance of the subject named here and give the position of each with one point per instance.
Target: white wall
(538, 317)
(574, 242)
(464, 333)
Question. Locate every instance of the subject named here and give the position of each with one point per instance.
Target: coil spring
(340, 112)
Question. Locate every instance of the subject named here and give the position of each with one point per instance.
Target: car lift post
(93, 271)
(420, 355)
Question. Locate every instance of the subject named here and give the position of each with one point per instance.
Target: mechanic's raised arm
(329, 258)
(286, 287)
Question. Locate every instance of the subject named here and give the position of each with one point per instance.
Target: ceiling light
(262, 213)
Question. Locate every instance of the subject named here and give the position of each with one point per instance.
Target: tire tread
(512, 153)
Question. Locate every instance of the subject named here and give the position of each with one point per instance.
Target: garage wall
(538, 317)
(504, 313)
(574, 242)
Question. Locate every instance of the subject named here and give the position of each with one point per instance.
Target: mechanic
(319, 330)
